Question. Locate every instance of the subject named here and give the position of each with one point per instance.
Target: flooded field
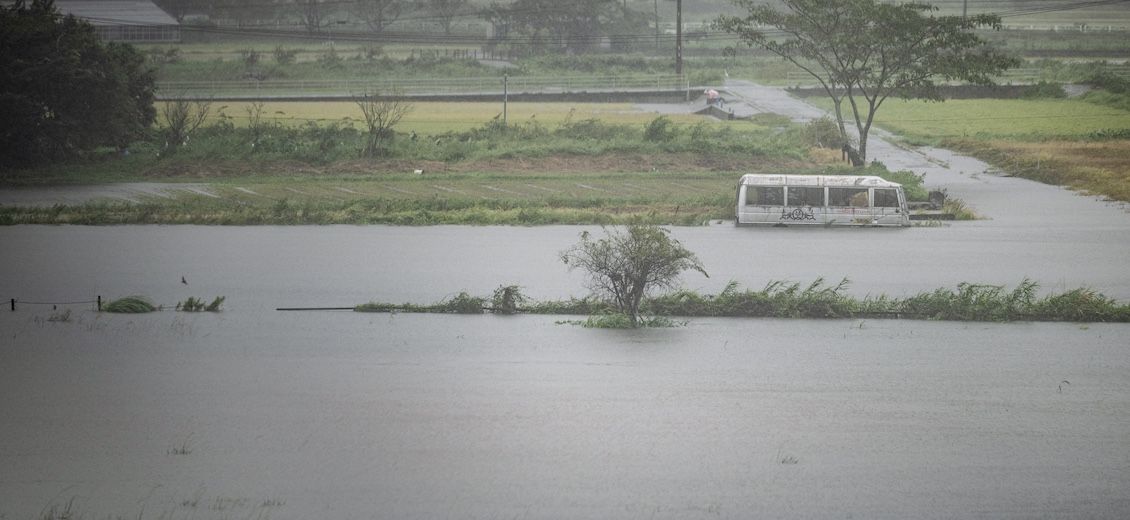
(254, 413)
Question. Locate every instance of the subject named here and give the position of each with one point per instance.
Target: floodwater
(344, 415)
(256, 413)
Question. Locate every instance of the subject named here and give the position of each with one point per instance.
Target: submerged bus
(825, 200)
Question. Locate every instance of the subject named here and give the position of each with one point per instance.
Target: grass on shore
(572, 171)
(819, 300)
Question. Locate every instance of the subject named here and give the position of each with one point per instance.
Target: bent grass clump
(193, 304)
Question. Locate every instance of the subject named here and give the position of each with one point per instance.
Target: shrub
(463, 303)
(823, 133)
(1043, 90)
(660, 130)
(285, 56)
(506, 299)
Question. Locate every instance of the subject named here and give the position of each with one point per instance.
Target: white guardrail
(422, 87)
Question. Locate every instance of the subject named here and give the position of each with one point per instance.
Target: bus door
(888, 209)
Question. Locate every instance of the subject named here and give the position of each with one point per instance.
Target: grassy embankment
(550, 167)
(969, 302)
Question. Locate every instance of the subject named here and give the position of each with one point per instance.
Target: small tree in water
(627, 263)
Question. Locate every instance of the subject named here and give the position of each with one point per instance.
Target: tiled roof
(116, 12)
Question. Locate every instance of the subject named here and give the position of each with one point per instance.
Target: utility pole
(505, 96)
(657, 27)
(964, 9)
(679, 37)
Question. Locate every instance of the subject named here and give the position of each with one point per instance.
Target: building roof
(116, 12)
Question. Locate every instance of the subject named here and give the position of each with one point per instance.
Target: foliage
(285, 56)
(1115, 91)
(627, 264)
(507, 299)
(823, 133)
(381, 114)
(1109, 82)
(865, 51)
(129, 304)
(660, 130)
(574, 26)
(181, 118)
(63, 92)
(616, 320)
(1043, 90)
(378, 14)
(445, 11)
(818, 300)
(193, 304)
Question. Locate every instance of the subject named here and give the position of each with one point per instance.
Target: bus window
(806, 196)
(885, 198)
(764, 196)
(847, 197)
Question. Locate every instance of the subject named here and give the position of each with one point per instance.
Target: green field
(1002, 118)
(429, 118)
(1057, 141)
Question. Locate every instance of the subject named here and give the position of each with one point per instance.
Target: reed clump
(193, 304)
(130, 305)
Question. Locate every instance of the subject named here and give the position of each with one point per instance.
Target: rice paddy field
(433, 118)
(1057, 141)
(999, 118)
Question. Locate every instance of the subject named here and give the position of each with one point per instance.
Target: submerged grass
(820, 300)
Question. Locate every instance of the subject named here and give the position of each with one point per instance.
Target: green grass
(194, 304)
(130, 305)
(819, 300)
(1023, 119)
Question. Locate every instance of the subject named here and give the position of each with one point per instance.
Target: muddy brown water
(258, 413)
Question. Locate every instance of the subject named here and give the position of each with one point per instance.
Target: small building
(136, 21)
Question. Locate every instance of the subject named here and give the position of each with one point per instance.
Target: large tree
(577, 26)
(63, 91)
(865, 52)
(628, 263)
(378, 14)
(446, 10)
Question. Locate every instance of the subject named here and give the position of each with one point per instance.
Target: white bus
(824, 200)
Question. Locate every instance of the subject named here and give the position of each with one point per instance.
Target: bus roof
(863, 181)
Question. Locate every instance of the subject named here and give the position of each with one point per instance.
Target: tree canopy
(866, 51)
(576, 26)
(63, 91)
(627, 263)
